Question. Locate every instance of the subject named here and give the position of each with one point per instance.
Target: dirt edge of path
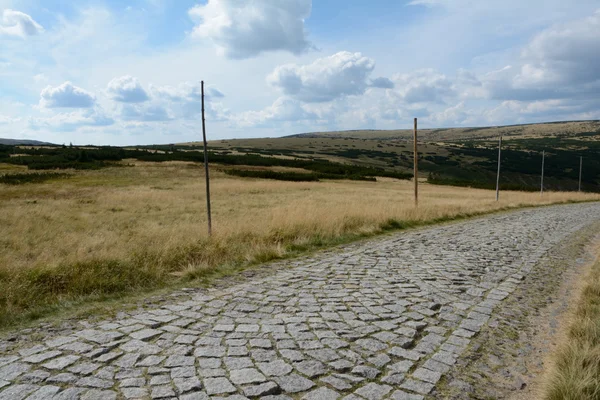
(510, 356)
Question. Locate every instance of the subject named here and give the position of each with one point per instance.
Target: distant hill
(455, 156)
(526, 131)
(15, 142)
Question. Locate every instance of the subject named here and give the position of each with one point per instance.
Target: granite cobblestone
(382, 319)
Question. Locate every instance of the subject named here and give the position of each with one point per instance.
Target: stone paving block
(17, 392)
(294, 383)
(263, 389)
(95, 394)
(401, 395)
(61, 362)
(40, 357)
(311, 368)
(44, 393)
(275, 368)
(427, 375)
(417, 386)
(145, 334)
(218, 386)
(246, 376)
(322, 393)
(373, 391)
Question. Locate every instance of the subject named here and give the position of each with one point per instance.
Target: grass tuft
(576, 371)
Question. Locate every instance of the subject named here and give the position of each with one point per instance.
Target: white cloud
(450, 116)
(560, 62)
(424, 86)
(5, 120)
(127, 89)
(186, 91)
(325, 79)
(143, 112)
(67, 96)
(283, 109)
(71, 121)
(185, 100)
(16, 23)
(243, 29)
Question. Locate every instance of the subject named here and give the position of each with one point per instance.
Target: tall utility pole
(206, 165)
(542, 183)
(580, 169)
(498, 175)
(416, 166)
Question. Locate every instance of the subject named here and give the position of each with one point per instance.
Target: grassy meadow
(98, 234)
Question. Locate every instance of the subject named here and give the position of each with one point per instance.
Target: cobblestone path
(383, 319)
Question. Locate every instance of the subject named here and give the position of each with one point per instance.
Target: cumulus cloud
(244, 29)
(382, 83)
(424, 86)
(185, 100)
(186, 91)
(16, 23)
(560, 62)
(328, 78)
(127, 89)
(146, 113)
(283, 109)
(564, 54)
(66, 96)
(71, 121)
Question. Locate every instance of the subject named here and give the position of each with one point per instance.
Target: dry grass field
(124, 230)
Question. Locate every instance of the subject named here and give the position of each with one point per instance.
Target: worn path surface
(383, 319)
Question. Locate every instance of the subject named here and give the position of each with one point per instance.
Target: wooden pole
(498, 175)
(416, 166)
(542, 183)
(580, 170)
(206, 165)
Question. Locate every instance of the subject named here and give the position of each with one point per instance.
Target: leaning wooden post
(498, 175)
(580, 169)
(416, 167)
(542, 183)
(206, 165)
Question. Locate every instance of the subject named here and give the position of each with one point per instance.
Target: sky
(122, 72)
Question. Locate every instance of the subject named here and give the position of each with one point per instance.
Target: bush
(293, 176)
(36, 177)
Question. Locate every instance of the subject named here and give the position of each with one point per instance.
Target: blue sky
(127, 72)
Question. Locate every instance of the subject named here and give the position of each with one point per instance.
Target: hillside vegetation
(457, 156)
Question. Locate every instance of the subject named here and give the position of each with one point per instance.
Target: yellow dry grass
(122, 230)
(575, 366)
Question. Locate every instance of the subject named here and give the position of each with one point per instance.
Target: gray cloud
(382, 83)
